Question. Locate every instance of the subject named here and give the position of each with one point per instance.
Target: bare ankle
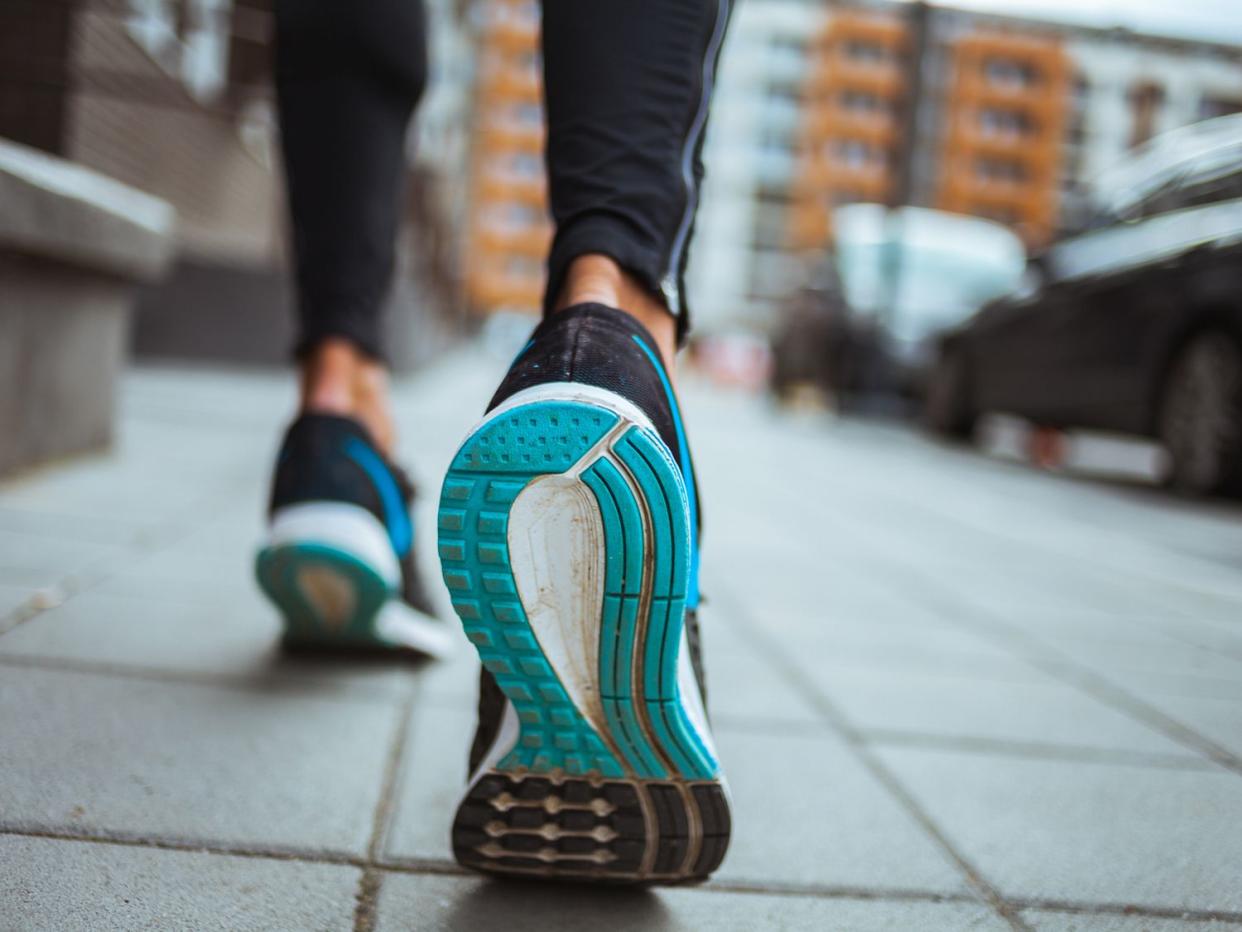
(336, 378)
(598, 278)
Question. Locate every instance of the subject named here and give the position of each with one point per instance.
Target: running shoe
(339, 562)
(568, 527)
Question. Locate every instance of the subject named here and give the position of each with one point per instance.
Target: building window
(857, 154)
(1211, 107)
(859, 102)
(1010, 73)
(865, 53)
(1146, 100)
(999, 123)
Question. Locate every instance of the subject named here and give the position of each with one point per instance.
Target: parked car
(1133, 325)
(908, 274)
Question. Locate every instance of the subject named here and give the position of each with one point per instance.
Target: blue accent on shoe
(683, 455)
(646, 723)
(396, 515)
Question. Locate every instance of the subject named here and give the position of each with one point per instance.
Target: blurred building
(508, 229)
(1015, 118)
(739, 260)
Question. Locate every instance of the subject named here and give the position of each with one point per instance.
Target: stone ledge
(58, 210)
(74, 247)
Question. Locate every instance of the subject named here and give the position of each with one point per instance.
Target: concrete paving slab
(68, 526)
(1086, 832)
(1047, 711)
(449, 904)
(112, 488)
(199, 640)
(1151, 657)
(173, 581)
(13, 596)
(741, 685)
(806, 811)
(1217, 719)
(1154, 687)
(432, 780)
(65, 886)
(816, 630)
(268, 766)
(38, 562)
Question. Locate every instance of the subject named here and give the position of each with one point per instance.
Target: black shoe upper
(329, 458)
(597, 345)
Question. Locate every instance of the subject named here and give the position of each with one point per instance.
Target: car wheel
(948, 409)
(1200, 417)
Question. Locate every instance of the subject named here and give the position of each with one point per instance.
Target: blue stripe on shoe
(683, 456)
(396, 516)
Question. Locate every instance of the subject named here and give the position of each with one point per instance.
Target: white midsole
(571, 391)
(349, 528)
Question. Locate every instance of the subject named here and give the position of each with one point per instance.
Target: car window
(1221, 183)
(1161, 178)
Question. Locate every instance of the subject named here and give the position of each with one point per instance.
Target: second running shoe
(339, 561)
(568, 540)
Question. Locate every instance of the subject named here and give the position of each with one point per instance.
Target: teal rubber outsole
(309, 624)
(648, 734)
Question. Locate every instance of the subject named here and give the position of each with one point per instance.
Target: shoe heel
(329, 570)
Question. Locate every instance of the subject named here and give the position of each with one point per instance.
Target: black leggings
(627, 84)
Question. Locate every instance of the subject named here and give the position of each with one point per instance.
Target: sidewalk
(951, 693)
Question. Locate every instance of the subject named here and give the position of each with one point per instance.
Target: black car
(1134, 325)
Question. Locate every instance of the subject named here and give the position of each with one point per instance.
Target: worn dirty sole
(565, 542)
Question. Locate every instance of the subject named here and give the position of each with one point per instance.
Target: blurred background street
(968, 279)
(988, 696)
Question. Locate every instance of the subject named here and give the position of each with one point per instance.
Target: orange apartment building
(1001, 106)
(1005, 115)
(852, 104)
(508, 229)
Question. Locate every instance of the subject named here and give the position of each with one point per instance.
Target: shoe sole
(608, 776)
(330, 571)
(327, 598)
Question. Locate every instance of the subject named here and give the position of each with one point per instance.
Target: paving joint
(367, 900)
(446, 868)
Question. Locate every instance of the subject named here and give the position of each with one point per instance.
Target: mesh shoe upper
(597, 345)
(328, 458)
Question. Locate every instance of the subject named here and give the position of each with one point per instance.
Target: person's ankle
(338, 378)
(596, 278)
